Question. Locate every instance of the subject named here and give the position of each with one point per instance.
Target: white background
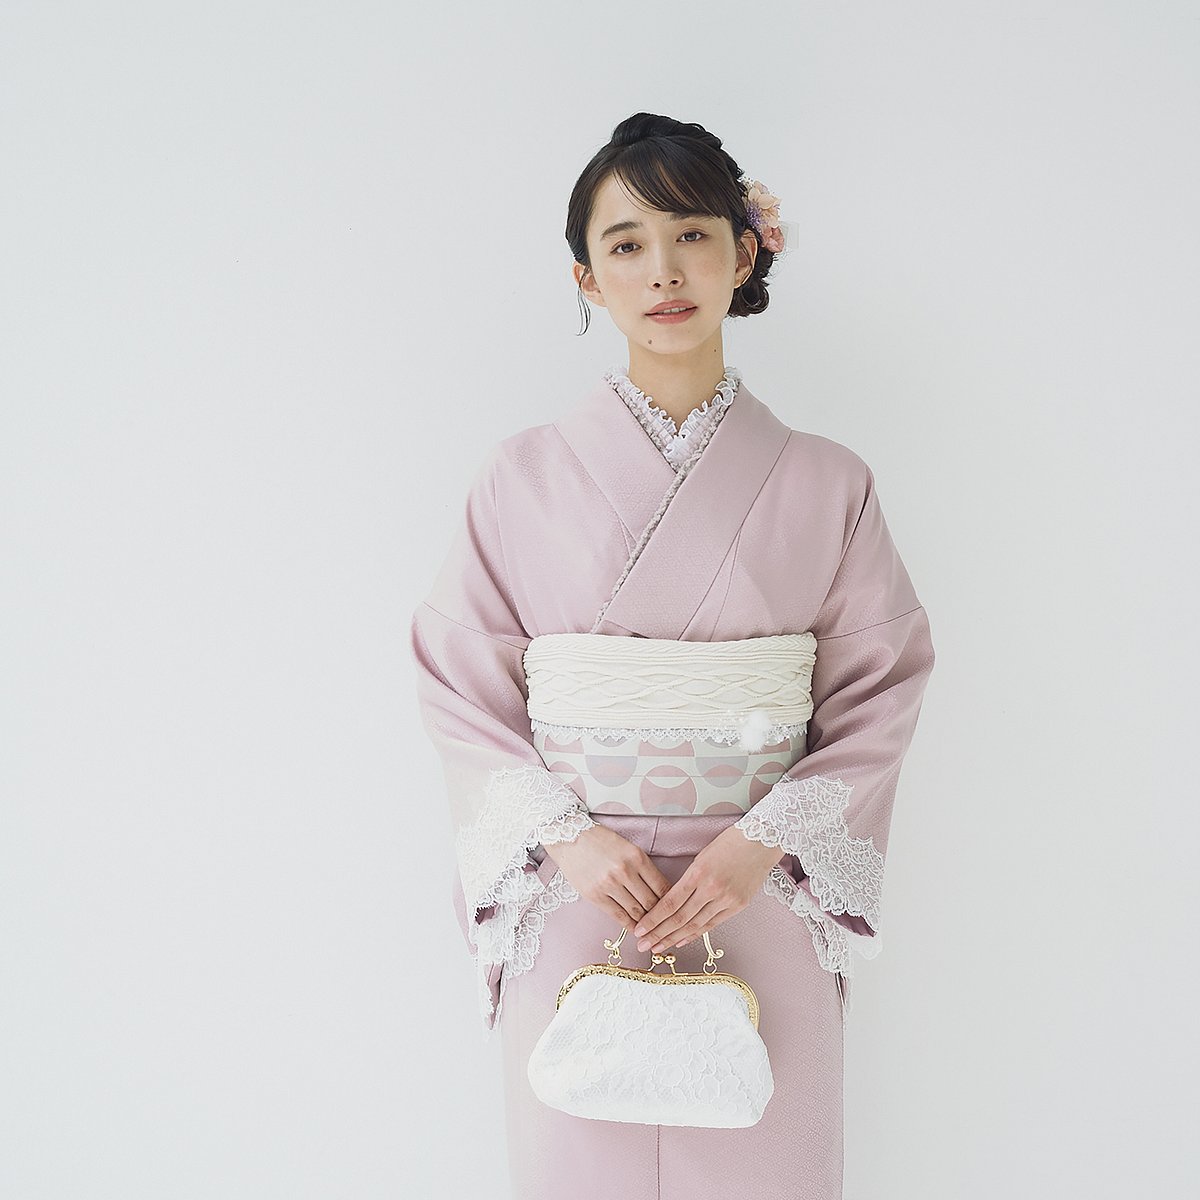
(276, 277)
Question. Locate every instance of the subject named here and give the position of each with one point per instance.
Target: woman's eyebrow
(623, 226)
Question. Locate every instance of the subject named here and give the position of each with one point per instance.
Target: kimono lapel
(677, 566)
(619, 455)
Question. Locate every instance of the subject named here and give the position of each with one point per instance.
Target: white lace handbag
(653, 1048)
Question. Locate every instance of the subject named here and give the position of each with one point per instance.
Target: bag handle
(614, 955)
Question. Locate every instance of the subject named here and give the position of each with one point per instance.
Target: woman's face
(642, 257)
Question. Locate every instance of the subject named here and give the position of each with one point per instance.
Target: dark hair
(674, 166)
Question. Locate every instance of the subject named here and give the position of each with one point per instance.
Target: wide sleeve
(467, 645)
(831, 812)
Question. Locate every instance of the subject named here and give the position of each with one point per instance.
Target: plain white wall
(276, 277)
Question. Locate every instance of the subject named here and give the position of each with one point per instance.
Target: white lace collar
(676, 442)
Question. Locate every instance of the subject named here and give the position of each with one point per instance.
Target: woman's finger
(669, 926)
(617, 912)
(633, 908)
(703, 919)
(642, 890)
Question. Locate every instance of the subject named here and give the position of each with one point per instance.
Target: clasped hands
(622, 879)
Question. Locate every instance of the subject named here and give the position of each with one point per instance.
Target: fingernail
(640, 930)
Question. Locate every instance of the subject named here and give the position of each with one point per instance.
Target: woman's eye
(617, 249)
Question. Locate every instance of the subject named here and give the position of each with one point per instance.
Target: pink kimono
(772, 531)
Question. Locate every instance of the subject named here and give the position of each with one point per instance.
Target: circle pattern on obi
(666, 776)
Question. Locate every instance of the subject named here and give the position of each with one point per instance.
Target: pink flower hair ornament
(762, 214)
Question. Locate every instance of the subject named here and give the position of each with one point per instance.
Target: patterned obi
(666, 727)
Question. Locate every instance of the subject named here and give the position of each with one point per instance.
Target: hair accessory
(762, 212)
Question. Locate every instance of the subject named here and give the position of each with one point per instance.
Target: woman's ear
(587, 283)
(747, 253)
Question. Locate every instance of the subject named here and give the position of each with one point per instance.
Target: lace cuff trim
(523, 806)
(806, 818)
(832, 942)
(511, 938)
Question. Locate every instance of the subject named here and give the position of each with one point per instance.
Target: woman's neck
(676, 386)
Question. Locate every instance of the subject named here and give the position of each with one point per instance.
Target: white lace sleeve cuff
(523, 806)
(806, 818)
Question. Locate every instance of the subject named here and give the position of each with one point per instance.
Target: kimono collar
(675, 442)
(666, 585)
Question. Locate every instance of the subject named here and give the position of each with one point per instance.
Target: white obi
(666, 727)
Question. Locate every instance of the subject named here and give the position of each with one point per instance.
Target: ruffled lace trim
(724, 736)
(806, 818)
(523, 806)
(676, 442)
(514, 936)
(832, 942)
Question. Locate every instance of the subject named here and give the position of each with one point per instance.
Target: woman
(727, 758)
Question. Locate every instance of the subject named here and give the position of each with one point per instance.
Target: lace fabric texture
(524, 806)
(806, 818)
(621, 1049)
(725, 735)
(676, 442)
(513, 936)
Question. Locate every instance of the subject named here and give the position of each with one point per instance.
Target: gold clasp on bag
(614, 955)
(672, 978)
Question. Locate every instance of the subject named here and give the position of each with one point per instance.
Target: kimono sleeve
(831, 812)
(467, 645)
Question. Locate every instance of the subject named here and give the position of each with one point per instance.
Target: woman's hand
(720, 881)
(611, 872)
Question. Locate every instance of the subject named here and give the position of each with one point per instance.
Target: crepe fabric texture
(771, 531)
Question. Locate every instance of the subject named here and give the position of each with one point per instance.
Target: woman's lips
(671, 318)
